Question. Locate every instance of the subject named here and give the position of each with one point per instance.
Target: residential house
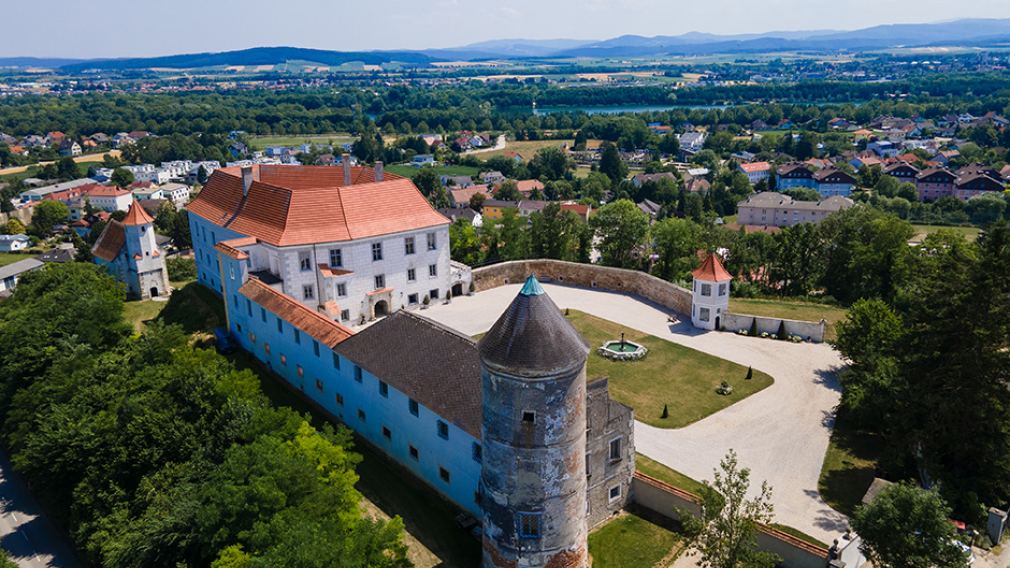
(832, 182)
(10, 274)
(14, 243)
(59, 255)
(650, 208)
(975, 182)
(110, 198)
(129, 251)
(756, 172)
(692, 142)
(456, 181)
(422, 160)
(69, 148)
(933, 183)
(770, 208)
(492, 177)
(904, 172)
(452, 213)
(793, 175)
(461, 197)
(641, 179)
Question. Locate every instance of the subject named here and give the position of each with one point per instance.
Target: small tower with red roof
(710, 293)
(129, 251)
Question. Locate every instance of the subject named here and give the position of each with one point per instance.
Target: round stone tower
(533, 473)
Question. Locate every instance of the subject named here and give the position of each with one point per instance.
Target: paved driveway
(780, 433)
(29, 538)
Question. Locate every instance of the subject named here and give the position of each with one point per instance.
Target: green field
(408, 171)
(631, 541)
(970, 233)
(849, 467)
(335, 138)
(668, 475)
(683, 379)
(790, 309)
(12, 257)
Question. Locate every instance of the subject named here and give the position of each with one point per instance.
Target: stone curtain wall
(814, 331)
(669, 501)
(660, 291)
(24, 215)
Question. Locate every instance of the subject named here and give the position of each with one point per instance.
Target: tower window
(615, 449)
(443, 474)
(413, 453)
(530, 525)
(614, 493)
(413, 407)
(388, 434)
(529, 417)
(443, 430)
(357, 373)
(383, 389)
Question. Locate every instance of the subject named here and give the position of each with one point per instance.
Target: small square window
(345, 315)
(308, 292)
(408, 245)
(443, 430)
(530, 525)
(304, 262)
(529, 417)
(432, 270)
(411, 275)
(387, 433)
(336, 361)
(380, 281)
(383, 389)
(361, 415)
(284, 360)
(336, 258)
(376, 251)
(341, 290)
(339, 398)
(263, 315)
(614, 493)
(280, 325)
(248, 307)
(433, 293)
(412, 299)
(432, 242)
(413, 453)
(266, 347)
(414, 409)
(443, 474)
(357, 373)
(301, 371)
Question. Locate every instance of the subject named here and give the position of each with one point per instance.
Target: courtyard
(781, 432)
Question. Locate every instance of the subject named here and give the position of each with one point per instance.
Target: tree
(726, 533)
(621, 228)
(66, 168)
(868, 256)
(430, 185)
(554, 233)
(550, 163)
(202, 175)
(907, 527)
(508, 191)
(121, 177)
(15, 227)
(676, 242)
(477, 201)
(797, 259)
(611, 163)
(465, 242)
(46, 215)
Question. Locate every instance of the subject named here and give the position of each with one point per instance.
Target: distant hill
(43, 62)
(254, 56)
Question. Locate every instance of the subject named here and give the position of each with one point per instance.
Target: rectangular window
(380, 281)
(408, 245)
(411, 299)
(301, 371)
(315, 347)
(345, 315)
(722, 289)
(263, 315)
(376, 251)
(357, 373)
(280, 325)
(413, 407)
(413, 453)
(319, 385)
(443, 430)
(387, 433)
(703, 314)
(361, 415)
(339, 398)
(341, 290)
(443, 474)
(308, 292)
(615, 449)
(298, 337)
(529, 417)
(433, 293)
(336, 258)
(248, 307)
(411, 275)
(432, 242)
(304, 262)
(336, 361)
(529, 525)
(614, 493)
(383, 389)
(706, 289)
(432, 270)
(476, 451)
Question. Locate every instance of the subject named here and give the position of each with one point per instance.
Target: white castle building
(129, 251)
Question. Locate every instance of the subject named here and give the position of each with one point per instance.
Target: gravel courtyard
(780, 433)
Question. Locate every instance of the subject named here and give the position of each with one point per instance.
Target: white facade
(115, 202)
(14, 243)
(710, 299)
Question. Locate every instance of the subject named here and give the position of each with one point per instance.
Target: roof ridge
(436, 325)
(263, 285)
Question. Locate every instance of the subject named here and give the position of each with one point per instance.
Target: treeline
(929, 369)
(154, 453)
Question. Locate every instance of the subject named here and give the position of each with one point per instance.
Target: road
(499, 144)
(30, 539)
(780, 433)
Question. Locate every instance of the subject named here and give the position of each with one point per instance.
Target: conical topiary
(753, 327)
(666, 413)
(750, 373)
(782, 330)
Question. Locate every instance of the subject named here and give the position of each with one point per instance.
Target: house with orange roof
(128, 250)
(756, 171)
(352, 243)
(710, 293)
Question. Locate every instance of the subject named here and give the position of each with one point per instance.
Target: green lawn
(970, 233)
(630, 541)
(656, 470)
(790, 309)
(683, 379)
(192, 306)
(12, 257)
(849, 467)
(336, 138)
(409, 171)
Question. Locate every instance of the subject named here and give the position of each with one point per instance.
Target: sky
(131, 28)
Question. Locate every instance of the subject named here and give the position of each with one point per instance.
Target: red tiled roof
(318, 326)
(137, 216)
(110, 242)
(755, 167)
(295, 205)
(712, 270)
(105, 190)
(463, 195)
(326, 271)
(230, 247)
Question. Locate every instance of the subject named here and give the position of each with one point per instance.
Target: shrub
(181, 268)
(666, 413)
(754, 327)
(782, 331)
(750, 373)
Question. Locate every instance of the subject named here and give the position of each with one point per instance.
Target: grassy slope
(682, 378)
(797, 310)
(656, 470)
(630, 541)
(410, 171)
(849, 467)
(194, 307)
(12, 257)
(970, 233)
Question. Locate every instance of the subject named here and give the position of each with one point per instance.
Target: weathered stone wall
(670, 502)
(814, 331)
(635, 282)
(606, 421)
(24, 215)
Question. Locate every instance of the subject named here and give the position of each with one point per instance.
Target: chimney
(347, 169)
(378, 171)
(247, 179)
